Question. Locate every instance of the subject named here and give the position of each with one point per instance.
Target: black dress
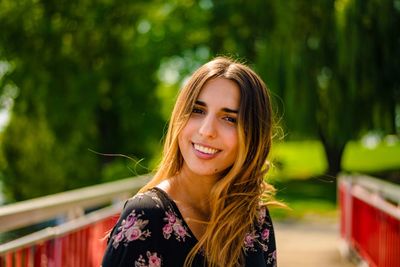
(151, 232)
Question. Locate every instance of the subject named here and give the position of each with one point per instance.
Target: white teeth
(204, 149)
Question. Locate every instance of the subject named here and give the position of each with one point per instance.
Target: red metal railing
(370, 219)
(80, 240)
(83, 247)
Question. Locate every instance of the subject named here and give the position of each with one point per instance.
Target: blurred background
(83, 78)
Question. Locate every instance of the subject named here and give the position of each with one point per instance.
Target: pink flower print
(130, 220)
(249, 240)
(118, 238)
(179, 230)
(132, 228)
(174, 225)
(133, 233)
(167, 230)
(265, 234)
(154, 260)
(171, 218)
(261, 215)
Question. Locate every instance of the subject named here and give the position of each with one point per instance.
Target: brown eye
(197, 111)
(230, 119)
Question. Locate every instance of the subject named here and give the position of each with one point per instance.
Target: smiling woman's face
(209, 140)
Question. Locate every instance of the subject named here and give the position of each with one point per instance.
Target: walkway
(309, 244)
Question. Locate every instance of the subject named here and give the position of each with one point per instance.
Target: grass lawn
(297, 173)
(362, 159)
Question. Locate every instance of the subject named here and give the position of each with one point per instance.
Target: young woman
(207, 203)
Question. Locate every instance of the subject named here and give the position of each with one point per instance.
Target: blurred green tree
(331, 62)
(91, 75)
(100, 75)
(85, 79)
(358, 91)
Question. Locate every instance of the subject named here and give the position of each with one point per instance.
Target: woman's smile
(205, 149)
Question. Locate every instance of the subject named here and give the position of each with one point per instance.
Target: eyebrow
(228, 110)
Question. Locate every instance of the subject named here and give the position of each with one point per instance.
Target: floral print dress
(151, 232)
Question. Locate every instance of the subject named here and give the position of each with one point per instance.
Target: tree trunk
(334, 154)
(334, 158)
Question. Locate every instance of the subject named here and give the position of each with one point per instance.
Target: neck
(193, 190)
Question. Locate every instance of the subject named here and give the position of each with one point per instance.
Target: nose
(207, 127)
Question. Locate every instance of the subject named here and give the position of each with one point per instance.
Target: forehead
(220, 92)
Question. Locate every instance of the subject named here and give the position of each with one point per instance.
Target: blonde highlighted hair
(236, 197)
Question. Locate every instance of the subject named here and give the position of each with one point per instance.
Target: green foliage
(81, 86)
(367, 48)
(102, 75)
(40, 165)
(324, 60)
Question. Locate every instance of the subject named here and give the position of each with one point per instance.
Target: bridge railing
(79, 240)
(370, 219)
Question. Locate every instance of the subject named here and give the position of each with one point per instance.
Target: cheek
(187, 130)
(181, 141)
(185, 136)
(234, 142)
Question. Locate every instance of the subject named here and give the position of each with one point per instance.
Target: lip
(203, 155)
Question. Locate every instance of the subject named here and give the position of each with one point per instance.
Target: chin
(209, 172)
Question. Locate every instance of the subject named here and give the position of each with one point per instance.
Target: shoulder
(142, 214)
(145, 205)
(136, 236)
(148, 201)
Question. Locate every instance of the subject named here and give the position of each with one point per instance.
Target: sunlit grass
(305, 209)
(306, 159)
(298, 174)
(363, 159)
(300, 160)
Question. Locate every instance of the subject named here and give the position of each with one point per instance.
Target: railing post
(9, 259)
(346, 210)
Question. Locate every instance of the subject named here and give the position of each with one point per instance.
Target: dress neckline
(175, 208)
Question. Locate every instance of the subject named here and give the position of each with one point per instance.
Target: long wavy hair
(237, 195)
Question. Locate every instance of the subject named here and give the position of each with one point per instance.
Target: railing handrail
(384, 189)
(37, 210)
(61, 230)
(367, 201)
(376, 202)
